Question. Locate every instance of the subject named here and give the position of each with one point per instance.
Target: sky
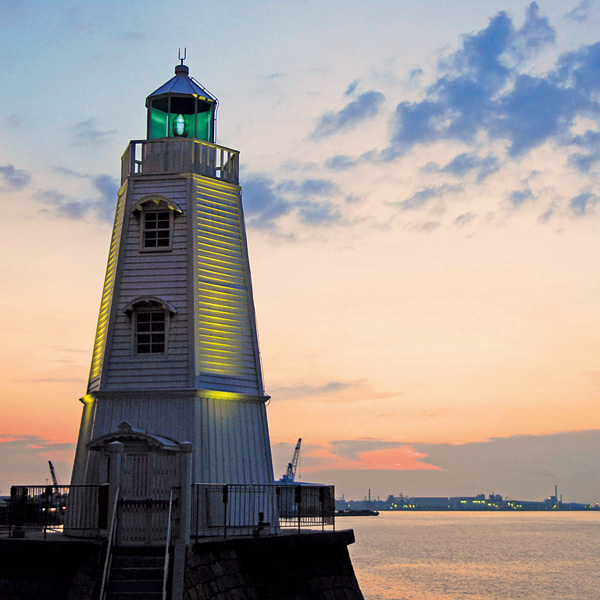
(420, 185)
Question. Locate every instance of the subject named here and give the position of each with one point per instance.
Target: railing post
(225, 501)
(116, 470)
(298, 502)
(185, 493)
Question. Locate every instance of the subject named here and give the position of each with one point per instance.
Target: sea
(477, 556)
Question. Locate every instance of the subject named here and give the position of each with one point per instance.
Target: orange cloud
(401, 458)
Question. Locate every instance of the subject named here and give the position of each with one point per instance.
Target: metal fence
(216, 509)
(236, 509)
(81, 510)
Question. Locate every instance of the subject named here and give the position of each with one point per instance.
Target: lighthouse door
(148, 477)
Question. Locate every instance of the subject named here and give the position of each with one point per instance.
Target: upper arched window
(156, 215)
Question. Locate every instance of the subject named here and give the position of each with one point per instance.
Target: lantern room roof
(182, 85)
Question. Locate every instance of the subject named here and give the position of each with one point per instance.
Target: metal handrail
(167, 546)
(108, 558)
(248, 509)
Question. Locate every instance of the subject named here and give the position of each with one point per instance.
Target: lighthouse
(176, 366)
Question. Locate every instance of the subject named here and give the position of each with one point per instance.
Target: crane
(290, 474)
(53, 474)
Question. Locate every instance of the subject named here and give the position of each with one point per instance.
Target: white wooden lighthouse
(176, 355)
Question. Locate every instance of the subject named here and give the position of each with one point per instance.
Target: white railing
(109, 544)
(177, 155)
(167, 547)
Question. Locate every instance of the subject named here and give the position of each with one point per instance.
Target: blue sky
(420, 187)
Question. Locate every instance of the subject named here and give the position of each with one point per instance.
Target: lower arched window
(150, 318)
(150, 331)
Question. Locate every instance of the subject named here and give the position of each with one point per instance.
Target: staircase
(136, 575)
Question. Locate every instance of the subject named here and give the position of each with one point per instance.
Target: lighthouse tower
(176, 355)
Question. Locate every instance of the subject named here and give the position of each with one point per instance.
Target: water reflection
(449, 556)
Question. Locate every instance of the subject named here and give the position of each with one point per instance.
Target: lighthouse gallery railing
(177, 155)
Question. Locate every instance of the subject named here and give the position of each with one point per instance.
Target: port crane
(53, 474)
(290, 474)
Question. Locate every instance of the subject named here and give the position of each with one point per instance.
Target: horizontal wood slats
(227, 353)
(160, 274)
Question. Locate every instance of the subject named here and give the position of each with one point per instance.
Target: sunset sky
(420, 183)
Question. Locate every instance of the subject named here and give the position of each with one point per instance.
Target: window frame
(149, 305)
(144, 229)
(155, 203)
(152, 335)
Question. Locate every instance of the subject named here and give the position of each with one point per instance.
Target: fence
(80, 510)
(180, 156)
(221, 509)
(216, 509)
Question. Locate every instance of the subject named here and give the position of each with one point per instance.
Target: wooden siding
(229, 434)
(107, 295)
(168, 416)
(160, 274)
(226, 345)
(233, 440)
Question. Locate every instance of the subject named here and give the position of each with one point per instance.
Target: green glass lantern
(181, 108)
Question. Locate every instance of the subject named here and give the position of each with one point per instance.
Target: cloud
(583, 204)
(516, 464)
(589, 141)
(265, 202)
(343, 162)
(319, 213)
(424, 196)
(293, 392)
(309, 187)
(580, 13)
(351, 88)
(24, 460)
(464, 219)
(262, 204)
(364, 454)
(366, 106)
(339, 391)
(108, 187)
(484, 88)
(101, 207)
(87, 133)
(13, 179)
(465, 163)
(423, 226)
(518, 197)
(523, 467)
(352, 449)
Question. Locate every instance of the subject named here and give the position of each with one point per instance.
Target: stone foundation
(50, 570)
(309, 566)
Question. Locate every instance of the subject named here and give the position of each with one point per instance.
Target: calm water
(477, 556)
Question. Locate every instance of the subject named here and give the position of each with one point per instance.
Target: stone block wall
(309, 566)
(49, 570)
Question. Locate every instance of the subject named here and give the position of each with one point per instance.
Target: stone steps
(135, 577)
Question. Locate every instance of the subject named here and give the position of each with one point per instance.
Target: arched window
(156, 215)
(150, 318)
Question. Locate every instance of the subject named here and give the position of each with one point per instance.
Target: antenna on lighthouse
(184, 54)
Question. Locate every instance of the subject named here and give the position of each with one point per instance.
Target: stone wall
(309, 566)
(49, 570)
